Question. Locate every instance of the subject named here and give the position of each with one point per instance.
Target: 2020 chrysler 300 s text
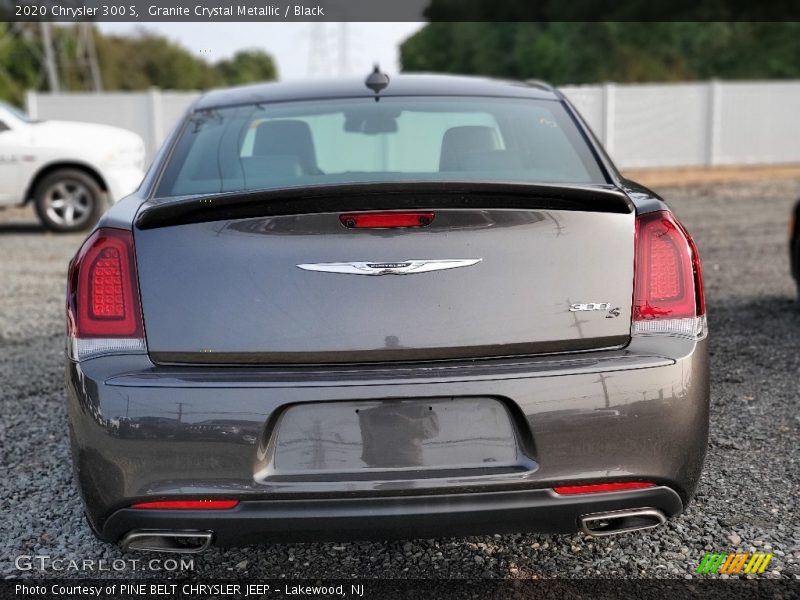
(347, 311)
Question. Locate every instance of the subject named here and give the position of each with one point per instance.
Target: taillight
(104, 313)
(668, 283)
(384, 220)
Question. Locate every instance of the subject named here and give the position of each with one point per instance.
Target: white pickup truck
(70, 171)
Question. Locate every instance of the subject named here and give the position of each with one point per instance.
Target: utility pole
(73, 51)
(86, 35)
(329, 49)
(318, 53)
(49, 59)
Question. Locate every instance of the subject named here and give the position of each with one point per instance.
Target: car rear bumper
(419, 517)
(137, 434)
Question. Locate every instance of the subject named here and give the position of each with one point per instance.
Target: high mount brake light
(386, 220)
(104, 313)
(668, 284)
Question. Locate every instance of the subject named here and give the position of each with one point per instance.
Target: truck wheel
(68, 200)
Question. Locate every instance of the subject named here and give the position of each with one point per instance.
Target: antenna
(377, 81)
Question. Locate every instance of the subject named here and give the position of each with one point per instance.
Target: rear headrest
(287, 137)
(459, 142)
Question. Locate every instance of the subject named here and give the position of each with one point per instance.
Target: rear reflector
(384, 220)
(668, 289)
(187, 504)
(103, 307)
(600, 488)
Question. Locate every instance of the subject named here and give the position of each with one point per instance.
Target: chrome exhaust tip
(163, 540)
(621, 521)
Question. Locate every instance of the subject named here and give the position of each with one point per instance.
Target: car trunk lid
(307, 289)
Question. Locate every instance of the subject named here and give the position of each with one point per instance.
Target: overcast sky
(302, 50)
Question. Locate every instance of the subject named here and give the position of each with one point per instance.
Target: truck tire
(68, 200)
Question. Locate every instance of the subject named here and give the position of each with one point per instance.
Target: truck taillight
(104, 313)
(668, 287)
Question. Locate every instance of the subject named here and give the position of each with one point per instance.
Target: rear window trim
(367, 97)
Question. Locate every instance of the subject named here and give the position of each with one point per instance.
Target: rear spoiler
(380, 196)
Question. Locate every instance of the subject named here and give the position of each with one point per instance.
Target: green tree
(149, 60)
(247, 66)
(572, 52)
(19, 67)
(135, 62)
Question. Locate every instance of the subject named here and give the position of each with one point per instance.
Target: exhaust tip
(178, 541)
(621, 521)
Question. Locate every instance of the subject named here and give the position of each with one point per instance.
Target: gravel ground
(747, 499)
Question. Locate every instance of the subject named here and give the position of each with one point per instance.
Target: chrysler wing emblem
(403, 267)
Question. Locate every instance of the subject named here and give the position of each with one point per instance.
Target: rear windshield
(357, 140)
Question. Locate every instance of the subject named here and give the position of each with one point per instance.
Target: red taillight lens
(106, 297)
(599, 488)
(386, 219)
(103, 306)
(187, 504)
(106, 286)
(668, 280)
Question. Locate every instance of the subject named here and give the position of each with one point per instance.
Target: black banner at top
(397, 10)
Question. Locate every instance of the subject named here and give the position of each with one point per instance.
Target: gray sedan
(418, 307)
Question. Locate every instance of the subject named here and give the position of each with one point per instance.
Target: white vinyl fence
(641, 125)
(151, 114)
(694, 124)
